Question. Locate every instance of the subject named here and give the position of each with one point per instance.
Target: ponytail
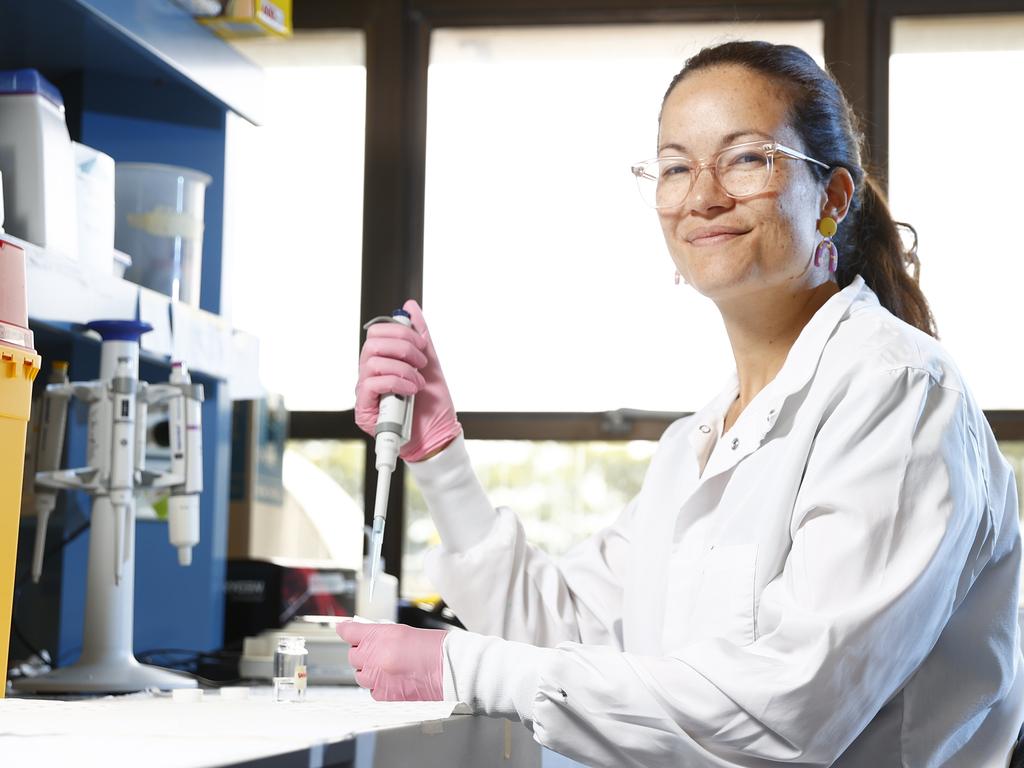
(870, 245)
(868, 240)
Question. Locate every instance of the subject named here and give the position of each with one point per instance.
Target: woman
(822, 564)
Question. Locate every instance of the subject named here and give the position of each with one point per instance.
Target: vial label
(291, 688)
(285, 689)
(290, 669)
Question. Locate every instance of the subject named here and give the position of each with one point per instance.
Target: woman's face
(775, 230)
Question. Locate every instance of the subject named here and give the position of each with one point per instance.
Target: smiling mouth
(724, 237)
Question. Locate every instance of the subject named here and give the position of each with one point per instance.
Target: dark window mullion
(397, 44)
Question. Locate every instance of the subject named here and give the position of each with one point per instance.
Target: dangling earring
(677, 277)
(827, 227)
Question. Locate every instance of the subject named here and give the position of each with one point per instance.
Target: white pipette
(394, 426)
(54, 416)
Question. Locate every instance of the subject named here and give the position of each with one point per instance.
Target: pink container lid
(13, 296)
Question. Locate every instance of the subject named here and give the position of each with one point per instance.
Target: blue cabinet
(143, 82)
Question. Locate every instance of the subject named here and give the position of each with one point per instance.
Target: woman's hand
(401, 360)
(396, 662)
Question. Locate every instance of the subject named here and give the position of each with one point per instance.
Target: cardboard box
(252, 18)
(258, 433)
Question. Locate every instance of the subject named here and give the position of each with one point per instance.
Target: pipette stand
(118, 404)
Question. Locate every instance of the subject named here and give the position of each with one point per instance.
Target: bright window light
(562, 492)
(955, 115)
(293, 224)
(547, 283)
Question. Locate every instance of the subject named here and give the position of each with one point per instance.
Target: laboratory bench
(336, 727)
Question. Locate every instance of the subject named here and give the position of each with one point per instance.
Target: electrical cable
(187, 665)
(26, 578)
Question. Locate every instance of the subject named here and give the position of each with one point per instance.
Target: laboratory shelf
(64, 293)
(155, 40)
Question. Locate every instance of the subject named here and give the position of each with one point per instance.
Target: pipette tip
(377, 540)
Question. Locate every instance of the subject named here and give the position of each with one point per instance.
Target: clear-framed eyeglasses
(741, 171)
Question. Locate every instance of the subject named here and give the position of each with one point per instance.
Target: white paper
(154, 308)
(202, 340)
(244, 373)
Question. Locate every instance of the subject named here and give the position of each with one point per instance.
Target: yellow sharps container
(19, 365)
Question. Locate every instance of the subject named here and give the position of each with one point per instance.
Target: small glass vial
(290, 669)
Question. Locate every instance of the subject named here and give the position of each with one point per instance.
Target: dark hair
(869, 241)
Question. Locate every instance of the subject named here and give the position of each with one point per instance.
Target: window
(293, 231)
(561, 491)
(324, 485)
(343, 461)
(547, 284)
(1013, 452)
(955, 117)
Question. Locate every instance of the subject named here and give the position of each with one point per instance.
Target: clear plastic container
(290, 677)
(159, 223)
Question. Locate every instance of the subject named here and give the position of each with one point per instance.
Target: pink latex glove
(401, 360)
(396, 662)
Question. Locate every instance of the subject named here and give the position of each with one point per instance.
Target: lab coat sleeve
(456, 500)
(499, 584)
(892, 526)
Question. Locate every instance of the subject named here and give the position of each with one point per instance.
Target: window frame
(857, 44)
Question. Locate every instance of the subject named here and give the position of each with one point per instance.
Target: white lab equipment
(118, 405)
(327, 660)
(382, 604)
(394, 427)
(53, 411)
(37, 163)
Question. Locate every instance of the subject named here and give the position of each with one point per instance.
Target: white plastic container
(384, 605)
(159, 223)
(94, 186)
(36, 160)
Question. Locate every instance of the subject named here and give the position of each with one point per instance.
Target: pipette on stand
(394, 426)
(51, 445)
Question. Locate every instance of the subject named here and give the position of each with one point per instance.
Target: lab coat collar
(802, 360)
(708, 420)
(761, 414)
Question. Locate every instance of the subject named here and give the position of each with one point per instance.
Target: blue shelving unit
(144, 83)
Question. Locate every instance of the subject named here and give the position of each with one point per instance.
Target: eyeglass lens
(741, 171)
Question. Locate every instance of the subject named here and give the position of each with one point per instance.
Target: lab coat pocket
(724, 605)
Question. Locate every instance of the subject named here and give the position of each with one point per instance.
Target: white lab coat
(837, 586)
